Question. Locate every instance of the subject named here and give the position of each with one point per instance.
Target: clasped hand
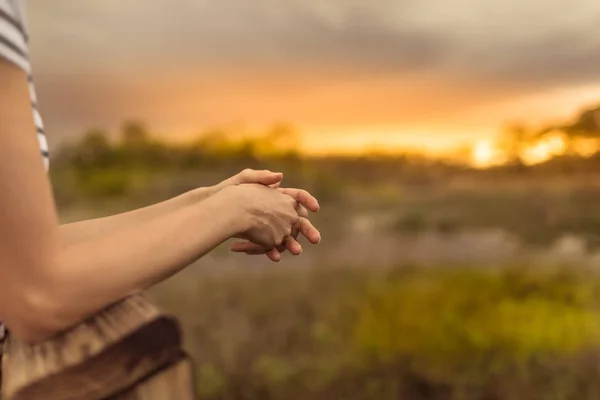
(276, 215)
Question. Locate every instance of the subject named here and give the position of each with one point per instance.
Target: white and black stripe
(14, 48)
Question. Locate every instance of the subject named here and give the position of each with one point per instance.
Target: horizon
(481, 154)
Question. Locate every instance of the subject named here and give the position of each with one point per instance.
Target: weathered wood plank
(108, 354)
(176, 381)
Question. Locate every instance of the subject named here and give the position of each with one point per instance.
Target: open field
(462, 291)
(433, 281)
(406, 332)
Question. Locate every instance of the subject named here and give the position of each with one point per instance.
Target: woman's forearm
(82, 231)
(87, 276)
(78, 232)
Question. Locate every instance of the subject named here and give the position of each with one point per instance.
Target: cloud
(513, 40)
(357, 62)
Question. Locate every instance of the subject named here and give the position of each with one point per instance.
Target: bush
(408, 333)
(462, 326)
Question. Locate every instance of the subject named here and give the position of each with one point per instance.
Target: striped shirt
(14, 48)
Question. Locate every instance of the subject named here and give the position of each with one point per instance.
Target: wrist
(197, 195)
(235, 206)
(215, 212)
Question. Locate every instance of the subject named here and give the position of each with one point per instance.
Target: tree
(134, 134)
(584, 127)
(514, 140)
(282, 139)
(586, 124)
(93, 150)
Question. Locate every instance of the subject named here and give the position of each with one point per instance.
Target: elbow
(36, 316)
(35, 304)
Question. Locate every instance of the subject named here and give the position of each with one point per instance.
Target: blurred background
(454, 148)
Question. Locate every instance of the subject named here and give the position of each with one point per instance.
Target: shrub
(456, 322)
(406, 333)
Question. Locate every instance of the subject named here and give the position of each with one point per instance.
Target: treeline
(135, 161)
(136, 146)
(580, 136)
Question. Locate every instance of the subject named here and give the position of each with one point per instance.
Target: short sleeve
(13, 39)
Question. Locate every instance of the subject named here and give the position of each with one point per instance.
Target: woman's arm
(46, 286)
(82, 231)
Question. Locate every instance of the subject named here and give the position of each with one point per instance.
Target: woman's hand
(267, 215)
(304, 202)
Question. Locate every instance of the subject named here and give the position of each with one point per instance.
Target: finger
(309, 231)
(276, 185)
(264, 177)
(293, 246)
(302, 197)
(281, 248)
(302, 211)
(294, 235)
(255, 250)
(248, 247)
(274, 255)
(260, 252)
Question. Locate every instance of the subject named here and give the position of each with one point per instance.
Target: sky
(350, 74)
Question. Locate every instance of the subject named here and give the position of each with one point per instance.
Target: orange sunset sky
(350, 74)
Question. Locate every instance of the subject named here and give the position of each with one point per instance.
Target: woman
(45, 266)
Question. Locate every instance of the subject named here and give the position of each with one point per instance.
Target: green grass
(404, 333)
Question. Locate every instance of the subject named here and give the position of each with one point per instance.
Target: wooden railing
(131, 350)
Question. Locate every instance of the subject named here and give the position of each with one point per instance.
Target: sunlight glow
(485, 154)
(585, 147)
(489, 153)
(544, 150)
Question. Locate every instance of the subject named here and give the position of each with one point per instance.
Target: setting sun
(485, 154)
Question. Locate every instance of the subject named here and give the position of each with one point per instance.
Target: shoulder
(13, 37)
